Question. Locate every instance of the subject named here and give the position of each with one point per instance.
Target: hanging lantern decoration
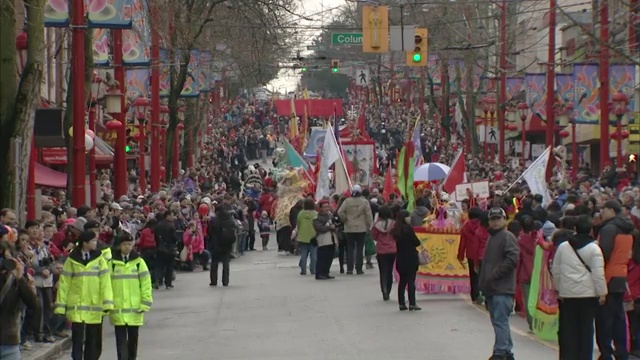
(91, 134)
(624, 135)
(88, 142)
(479, 121)
(614, 135)
(113, 125)
(180, 126)
(136, 136)
(563, 134)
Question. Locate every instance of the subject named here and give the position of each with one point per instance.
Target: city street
(269, 311)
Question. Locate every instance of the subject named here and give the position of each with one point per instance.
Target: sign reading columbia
(346, 38)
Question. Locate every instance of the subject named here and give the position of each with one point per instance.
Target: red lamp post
(95, 89)
(164, 120)
(523, 109)
(78, 28)
(574, 144)
(140, 106)
(619, 101)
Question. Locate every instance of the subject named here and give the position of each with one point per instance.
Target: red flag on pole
(389, 186)
(456, 175)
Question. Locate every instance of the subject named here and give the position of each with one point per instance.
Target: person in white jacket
(578, 276)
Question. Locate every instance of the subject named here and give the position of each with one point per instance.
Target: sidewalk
(45, 351)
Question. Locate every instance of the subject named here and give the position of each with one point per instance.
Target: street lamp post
(175, 161)
(78, 28)
(619, 101)
(95, 92)
(523, 108)
(141, 105)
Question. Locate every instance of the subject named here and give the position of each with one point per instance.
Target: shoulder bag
(580, 258)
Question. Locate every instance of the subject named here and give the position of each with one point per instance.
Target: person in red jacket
(469, 248)
(527, 241)
(147, 245)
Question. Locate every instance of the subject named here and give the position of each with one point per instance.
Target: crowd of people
(217, 210)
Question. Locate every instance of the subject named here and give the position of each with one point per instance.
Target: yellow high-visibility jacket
(132, 294)
(105, 250)
(84, 288)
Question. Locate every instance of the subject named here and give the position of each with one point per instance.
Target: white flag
(535, 176)
(342, 180)
(330, 154)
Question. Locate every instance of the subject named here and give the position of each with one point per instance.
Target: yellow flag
(293, 122)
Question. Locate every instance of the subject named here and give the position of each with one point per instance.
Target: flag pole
(525, 170)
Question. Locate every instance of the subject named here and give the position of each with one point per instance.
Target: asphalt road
(271, 312)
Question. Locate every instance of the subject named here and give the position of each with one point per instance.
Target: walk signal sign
(334, 66)
(633, 158)
(418, 56)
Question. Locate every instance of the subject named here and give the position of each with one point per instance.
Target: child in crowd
(264, 225)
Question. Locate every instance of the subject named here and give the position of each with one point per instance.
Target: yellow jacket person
(132, 294)
(84, 294)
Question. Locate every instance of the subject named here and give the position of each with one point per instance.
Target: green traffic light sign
(335, 70)
(417, 57)
(127, 148)
(304, 69)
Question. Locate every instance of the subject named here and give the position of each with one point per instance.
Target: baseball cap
(497, 212)
(613, 205)
(79, 223)
(116, 206)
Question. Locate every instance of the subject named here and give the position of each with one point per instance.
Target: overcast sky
(319, 11)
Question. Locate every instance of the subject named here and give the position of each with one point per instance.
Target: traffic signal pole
(503, 80)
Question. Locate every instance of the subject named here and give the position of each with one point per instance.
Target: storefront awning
(58, 155)
(47, 177)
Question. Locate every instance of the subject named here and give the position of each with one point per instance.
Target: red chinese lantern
(563, 134)
(479, 121)
(614, 135)
(136, 136)
(113, 125)
(625, 134)
(180, 126)
(203, 210)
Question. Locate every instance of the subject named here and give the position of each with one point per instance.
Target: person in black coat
(166, 242)
(406, 259)
(222, 232)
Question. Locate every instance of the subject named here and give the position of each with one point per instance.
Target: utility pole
(551, 75)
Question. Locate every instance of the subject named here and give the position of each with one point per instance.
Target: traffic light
(127, 148)
(334, 66)
(418, 57)
(303, 68)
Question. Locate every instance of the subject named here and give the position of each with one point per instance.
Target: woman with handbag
(407, 260)
(385, 249)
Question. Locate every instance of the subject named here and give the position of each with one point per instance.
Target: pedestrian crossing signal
(633, 158)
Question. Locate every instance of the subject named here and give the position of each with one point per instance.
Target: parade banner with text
(542, 302)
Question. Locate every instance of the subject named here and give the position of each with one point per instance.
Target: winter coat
(571, 277)
(633, 280)
(147, 240)
(418, 215)
(381, 233)
(527, 245)
(19, 294)
(499, 262)
(132, 294)
(482, 236)
(356, 215)
(469, 246)
(407, 261)
(324, 235)
(616, 241)
(264, 225)
(306, 231)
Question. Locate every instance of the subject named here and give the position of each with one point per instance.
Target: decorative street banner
(586, 99)
(165, 72)
(542, 302)
(56, 13)
(137, 82)
(536, 85)
(190, 88)
(314, 145)
(564, 88)
(137, 41)
(362, 154)
(113, 14)
(101, 47)
(444, 274)
(433, 68)
(622, 78)
(205, 63)
(515, 86)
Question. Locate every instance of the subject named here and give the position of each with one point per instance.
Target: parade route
(271, 312)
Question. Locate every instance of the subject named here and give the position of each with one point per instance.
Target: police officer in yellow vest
(132, 294)
(84, 294)
(94, 226)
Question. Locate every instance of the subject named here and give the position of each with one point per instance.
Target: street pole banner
(543, 303)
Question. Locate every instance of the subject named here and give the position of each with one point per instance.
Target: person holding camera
(84, 294)
(16, 291)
